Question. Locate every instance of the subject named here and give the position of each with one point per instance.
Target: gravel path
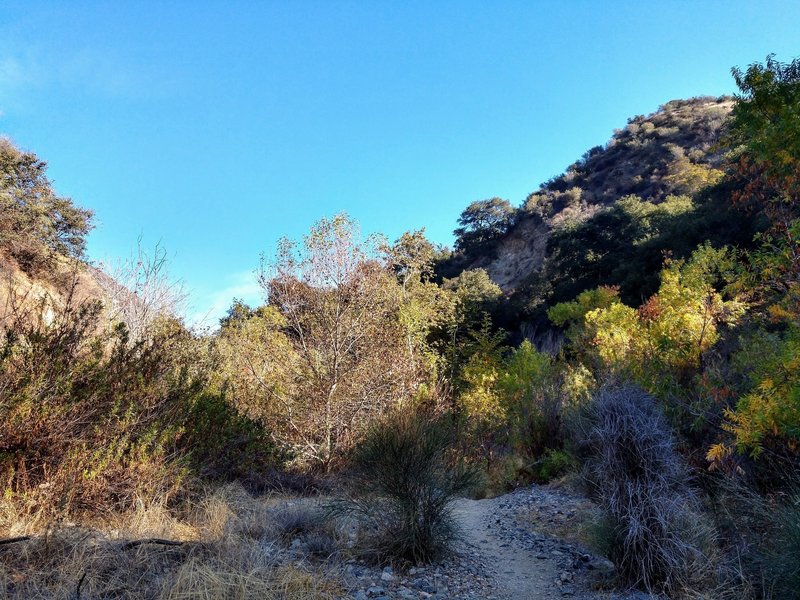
(511, 549)
(515, 572)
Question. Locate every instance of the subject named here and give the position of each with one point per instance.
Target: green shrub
(553, 464)
(223, 444)
(402, 486)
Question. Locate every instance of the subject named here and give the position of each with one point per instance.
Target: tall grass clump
(652, 531)
(763, 535)
(783, 556)
(402, 485)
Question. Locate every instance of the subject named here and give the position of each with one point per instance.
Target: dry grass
(653, 528)
(222, 547)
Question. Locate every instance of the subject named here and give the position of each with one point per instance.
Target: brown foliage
(347, 353)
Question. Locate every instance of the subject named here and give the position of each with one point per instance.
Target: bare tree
(139, 290)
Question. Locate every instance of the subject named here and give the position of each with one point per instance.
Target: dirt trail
(516, 572)
(521, 546)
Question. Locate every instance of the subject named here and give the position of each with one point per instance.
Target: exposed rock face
(41, 297)
(519, 253)
(672, 151)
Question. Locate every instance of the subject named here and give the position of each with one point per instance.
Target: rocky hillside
(670, 152)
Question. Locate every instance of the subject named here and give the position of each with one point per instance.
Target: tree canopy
(35, 222)
(482, 222)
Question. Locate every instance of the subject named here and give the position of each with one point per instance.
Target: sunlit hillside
(590, 394)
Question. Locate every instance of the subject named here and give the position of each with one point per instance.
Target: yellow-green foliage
(512, 399)
(425, 311)
(524, 380)
(687, 177)
(479, 398)
(617, 333)
(668, 335)
(571, 315)
(504, 390)
(571, 312)
(255, 359)
(577, 383)
(770, 413)
(481, 401)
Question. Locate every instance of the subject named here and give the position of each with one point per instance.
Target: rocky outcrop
(672, 151)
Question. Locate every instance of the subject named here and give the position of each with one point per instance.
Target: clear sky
(217, 127)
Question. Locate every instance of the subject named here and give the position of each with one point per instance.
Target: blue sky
(217, 127)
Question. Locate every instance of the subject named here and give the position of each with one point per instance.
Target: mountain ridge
(672, 151)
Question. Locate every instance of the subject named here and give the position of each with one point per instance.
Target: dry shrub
(90, 421)
(309, 524)
(402, 486)
(291, 520)
(783, 552)
(221, 549)
(653, 530)
(86, 419)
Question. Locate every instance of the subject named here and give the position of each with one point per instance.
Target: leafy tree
(531, 400)
(427, 310)
(236, 315)
(341, 305)
(476, 363)
(482, 223)
(765, 167)
(412, 257)
(475, 299)
(766, 129)
(475, 294)
(34, 221)
(765, 137)
(570, 315)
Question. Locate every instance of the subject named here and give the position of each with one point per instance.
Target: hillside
(356, 435)
(670, 152)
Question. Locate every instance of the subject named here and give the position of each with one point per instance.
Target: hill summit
(671, 152)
